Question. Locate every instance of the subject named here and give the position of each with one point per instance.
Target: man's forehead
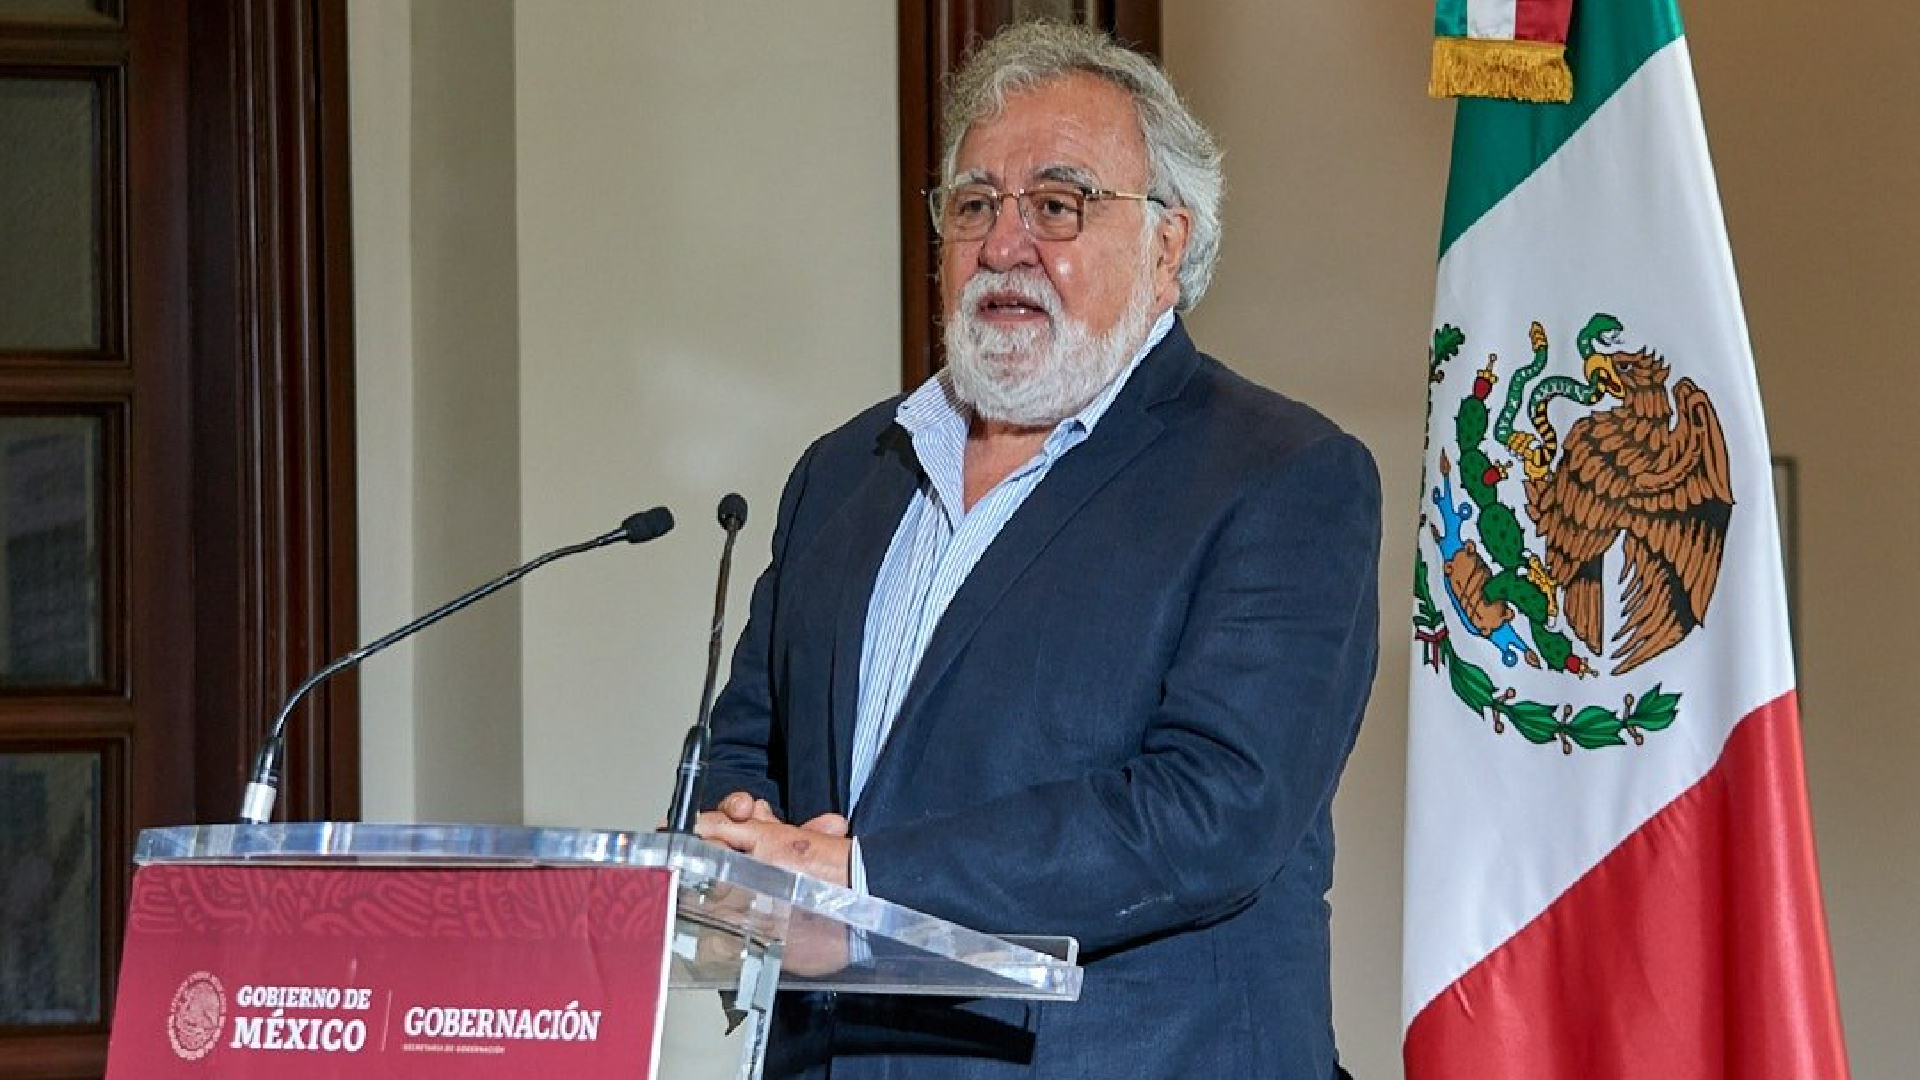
(1073, 129)
(1056, 172)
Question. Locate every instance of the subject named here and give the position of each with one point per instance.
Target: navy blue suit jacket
(1127, 728)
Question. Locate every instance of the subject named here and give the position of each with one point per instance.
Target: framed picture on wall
(1786, 506)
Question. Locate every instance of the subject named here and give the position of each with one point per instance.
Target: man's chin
(1005, 398)
(1008, 365)
(1032, 422)
(997, 370)
(1009, 348)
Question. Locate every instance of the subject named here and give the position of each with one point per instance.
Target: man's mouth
(1010, 307)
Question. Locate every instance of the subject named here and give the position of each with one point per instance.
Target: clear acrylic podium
(738, 921)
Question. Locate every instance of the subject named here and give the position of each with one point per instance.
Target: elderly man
(1075, 638)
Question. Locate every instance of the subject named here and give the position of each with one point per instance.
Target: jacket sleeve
(1261, 704)
(743, 714)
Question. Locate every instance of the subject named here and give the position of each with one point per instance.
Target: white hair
(1182, 158)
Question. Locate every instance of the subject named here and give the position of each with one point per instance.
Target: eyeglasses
(966, 212)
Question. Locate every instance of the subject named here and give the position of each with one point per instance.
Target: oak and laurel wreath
(1591, 727)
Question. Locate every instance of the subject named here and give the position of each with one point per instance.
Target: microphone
(693, 752)
(256, 808)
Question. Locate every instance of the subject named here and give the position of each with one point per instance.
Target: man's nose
(1008, 244)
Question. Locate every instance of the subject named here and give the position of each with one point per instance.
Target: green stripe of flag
(1497, 144)
(1450, 18)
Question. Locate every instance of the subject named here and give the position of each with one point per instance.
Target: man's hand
(819, 848)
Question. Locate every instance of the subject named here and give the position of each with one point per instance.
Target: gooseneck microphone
(256, 808)
(693, 752)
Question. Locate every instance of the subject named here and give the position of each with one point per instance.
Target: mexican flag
(1610, 866)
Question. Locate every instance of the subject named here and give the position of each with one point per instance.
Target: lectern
(734, 925)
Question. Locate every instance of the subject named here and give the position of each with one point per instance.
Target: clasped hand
(818, 848)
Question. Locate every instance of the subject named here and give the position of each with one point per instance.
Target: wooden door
(175, 457)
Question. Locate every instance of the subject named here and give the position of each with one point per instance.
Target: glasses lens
(968, 212)
(1053, 213)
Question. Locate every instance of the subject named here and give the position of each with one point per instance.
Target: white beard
(1037, 376)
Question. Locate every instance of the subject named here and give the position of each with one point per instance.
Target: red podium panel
(420, 973)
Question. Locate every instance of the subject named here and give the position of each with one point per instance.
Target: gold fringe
(1517, 70)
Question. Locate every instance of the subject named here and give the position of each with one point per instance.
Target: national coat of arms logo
(194, 1021)
(1641, 477)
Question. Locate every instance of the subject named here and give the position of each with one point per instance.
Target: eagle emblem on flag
(1643, 471)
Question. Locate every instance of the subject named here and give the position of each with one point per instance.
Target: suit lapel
(1126, 430)
(866, 527)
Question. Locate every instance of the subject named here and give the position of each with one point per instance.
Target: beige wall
(1337, 165)
(1817, 141)
(1336, 162)
(653, 346)
(708, 281)
(609, 254)
(432, 100)
(380, 46)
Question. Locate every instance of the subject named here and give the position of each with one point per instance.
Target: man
(1075, 638)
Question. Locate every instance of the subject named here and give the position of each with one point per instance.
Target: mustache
(1029, 286)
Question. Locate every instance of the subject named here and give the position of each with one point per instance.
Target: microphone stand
(256, 807)
(693, 751)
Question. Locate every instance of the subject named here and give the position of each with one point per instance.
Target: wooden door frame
(276, 595)
(233, 265)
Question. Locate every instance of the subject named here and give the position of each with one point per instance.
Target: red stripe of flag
(1696, 950)
(1542, 20)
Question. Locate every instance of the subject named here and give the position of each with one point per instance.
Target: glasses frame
(937, 197)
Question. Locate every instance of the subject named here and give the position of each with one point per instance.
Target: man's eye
(969, 206)
(1056, 206)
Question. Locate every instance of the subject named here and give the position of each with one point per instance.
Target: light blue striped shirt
(936, 546)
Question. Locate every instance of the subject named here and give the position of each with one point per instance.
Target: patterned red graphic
(199, 1011)
(391, 973)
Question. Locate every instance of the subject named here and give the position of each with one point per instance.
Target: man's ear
(1169, 249)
